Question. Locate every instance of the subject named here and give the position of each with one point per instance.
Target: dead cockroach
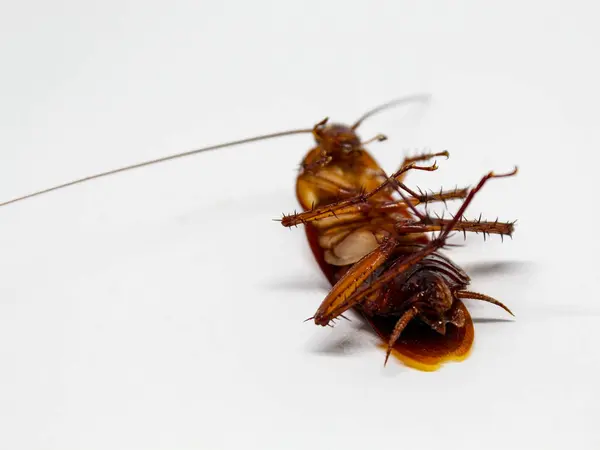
(373, 247)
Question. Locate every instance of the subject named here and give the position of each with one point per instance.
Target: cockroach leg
(424, 157)
(398, 180)
(335, 303)
(352, 206)
(418, 158)
(475, 226)
(398, 329)
(356, 204)
(441, 196)
(483, 297)
(398, 187)
(393, 179)
(357, 216)
(472, 193)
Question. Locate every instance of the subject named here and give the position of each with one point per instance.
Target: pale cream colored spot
(352, 248)
(328, 241)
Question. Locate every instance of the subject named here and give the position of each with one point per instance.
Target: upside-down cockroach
(373, 249)
(371, 245)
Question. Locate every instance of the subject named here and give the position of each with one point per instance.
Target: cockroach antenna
(424, 98)
(156, 161)
(398, 101)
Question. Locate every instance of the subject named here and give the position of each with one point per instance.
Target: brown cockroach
(372, 246)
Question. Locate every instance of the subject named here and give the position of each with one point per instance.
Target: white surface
(163, 309)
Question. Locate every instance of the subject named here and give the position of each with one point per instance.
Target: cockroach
(372, 246)
(373, 249)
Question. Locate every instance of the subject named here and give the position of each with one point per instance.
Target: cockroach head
(336, 139)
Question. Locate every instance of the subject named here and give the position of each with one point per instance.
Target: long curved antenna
(156, 161)
(409, 98)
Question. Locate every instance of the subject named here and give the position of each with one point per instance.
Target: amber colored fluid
(423, 348)
(419, 346)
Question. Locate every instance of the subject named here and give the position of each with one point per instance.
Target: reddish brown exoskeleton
(372, 247)
(369, 239)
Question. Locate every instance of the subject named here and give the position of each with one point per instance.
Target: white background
(163, 308)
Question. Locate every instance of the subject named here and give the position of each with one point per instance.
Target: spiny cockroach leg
(423, 198)
(356, 204)
(418, 158)
(398, 329)
(473, 226)
(398, 187)
(474, 191)
(443, 196)
(407, 189)
(405, 263)
(389, 207)
(334, 303)
(482, 297)
(424, 157)
(392, 179)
